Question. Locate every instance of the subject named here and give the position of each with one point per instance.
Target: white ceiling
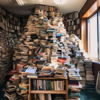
(25, 9)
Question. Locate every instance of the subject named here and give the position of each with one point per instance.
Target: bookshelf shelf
(50, 78)
(43, 92)
(47, 92)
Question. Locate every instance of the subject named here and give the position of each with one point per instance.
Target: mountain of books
(45, 50)
(35, 44)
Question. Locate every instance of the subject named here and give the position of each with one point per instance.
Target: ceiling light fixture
(41, 1)
(59, 2)
(20, 2)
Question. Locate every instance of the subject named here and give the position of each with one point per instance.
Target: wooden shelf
(43, 92)
(72, 23)
(49, 78)
(48, 92)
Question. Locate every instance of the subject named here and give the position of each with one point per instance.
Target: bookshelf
(44, 92)
(72, 23)
(9, 32)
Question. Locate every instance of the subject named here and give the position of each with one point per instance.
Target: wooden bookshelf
(48, 92)
(43, 92)
(9, 32)
(72, 23)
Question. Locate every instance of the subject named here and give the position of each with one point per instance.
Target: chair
(98, 83)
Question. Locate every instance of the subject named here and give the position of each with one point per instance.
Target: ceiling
(23, 7)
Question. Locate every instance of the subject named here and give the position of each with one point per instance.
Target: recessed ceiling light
(59, 2)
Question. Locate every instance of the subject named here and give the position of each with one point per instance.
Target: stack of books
(74, 83)
(10, 96)
(90, 83)
(82, 73)
(37, 39)
(10, 92)
(46, 50)
(60, 73)
(46, 72)
(9, 33)
(74, 89)
(73, 74)
(30, 71)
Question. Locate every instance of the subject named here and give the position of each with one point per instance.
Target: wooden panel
(89, 8)
(84, 34)
(49, 78)
(48, 92)
(86, 12)
(66, 89)
(29, 96)
(91, 11)
(98, 3)
(86, 7)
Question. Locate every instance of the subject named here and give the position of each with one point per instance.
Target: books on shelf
(72, 23)
(56, 85)
(48, 97)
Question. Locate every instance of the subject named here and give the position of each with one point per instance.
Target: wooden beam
(84, 34)
(86, 7)
(98, 3)
(91, 11)
(49, 92)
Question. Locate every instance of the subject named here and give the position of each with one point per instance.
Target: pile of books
(10, 96)
(9, 27)
(74, 89)
(36, 41)
(74, 83)
(90, 83)
(60, 73)
(34, 49)
(46, 50)
(5, 55)
(30, 71)
(10, 92)
(82, 73)
(73, 74)
(46, 71)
